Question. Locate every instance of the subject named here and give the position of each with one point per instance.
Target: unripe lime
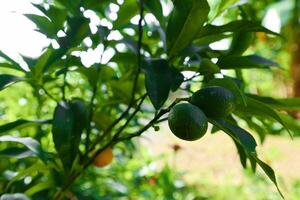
(187, 121)
(215, 101)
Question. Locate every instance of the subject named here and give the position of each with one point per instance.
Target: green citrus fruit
(187, 121)
(215, 101)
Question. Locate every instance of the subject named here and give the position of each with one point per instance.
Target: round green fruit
(215, 101)
(187, 122)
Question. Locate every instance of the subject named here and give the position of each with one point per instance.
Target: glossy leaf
(7, 80)
(69, 120)
(238, 134)
(30, 143)
(244, 62)
(186, 20)
(158, 81)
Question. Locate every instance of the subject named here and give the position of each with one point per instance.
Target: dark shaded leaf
(14, 64)
(21, 123)
(16, 152)
(177, 79)
(7, 80)
(158, 81)
(238, 134)
(69, 120)
(244, 62)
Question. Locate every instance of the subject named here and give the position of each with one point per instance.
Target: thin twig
(63, 88)
(48, 94)
(91, 111)
(132, 99)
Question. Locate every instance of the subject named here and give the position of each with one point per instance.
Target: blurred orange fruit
(104, 158)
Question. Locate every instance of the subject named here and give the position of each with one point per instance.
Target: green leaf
(259, 129)
(257, 108)
(240, 135)
(291, 123)
(71, 6)
(206, 40)
(39, 187)
(14, 64)
(242, 154)
(69, 120)
(234, 26)
(127, 10)
(244, 62)
(177, 79)
(158, 81)
(30, 143)
(186, 20)
(207, 67)
(44, 25)
(288, 104)
(269, 172)
(248, 143)
(20, 123)
(218, 6)
(46, 60)
(16, 152)
(241, 41)
(7, 80)
(36, 167)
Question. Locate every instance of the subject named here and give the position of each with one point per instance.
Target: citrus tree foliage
(144, 50)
